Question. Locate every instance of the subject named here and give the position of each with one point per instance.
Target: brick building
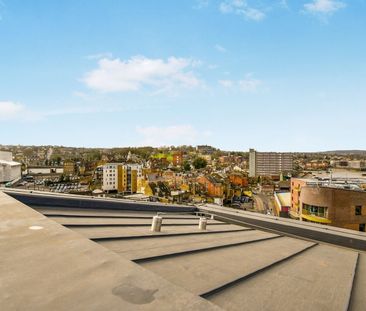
(332, 203)
(212, 186)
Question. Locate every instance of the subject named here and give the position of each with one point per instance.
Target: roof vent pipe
(156, 223)
(202, 223)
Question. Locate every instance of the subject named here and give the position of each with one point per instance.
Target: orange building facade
(238, 180)
(213, 187)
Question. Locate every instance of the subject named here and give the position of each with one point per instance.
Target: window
(362, 227)
(358, 210)
(314, 210)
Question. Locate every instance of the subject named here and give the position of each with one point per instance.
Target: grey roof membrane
(85, 259)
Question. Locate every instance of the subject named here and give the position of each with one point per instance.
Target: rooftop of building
(44, 166)
(11, 163)
(353, 184)
(284, 198)
(215, 179)
(339, 173)
(58, 258)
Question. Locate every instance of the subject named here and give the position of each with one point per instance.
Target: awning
(316, 219)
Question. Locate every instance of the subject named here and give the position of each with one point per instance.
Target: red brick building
(212, 186)
(238, 179)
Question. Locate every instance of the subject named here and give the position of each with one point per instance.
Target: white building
(110, 177)
(121, 177)
(35, 170)
(9, 170)
(269, 163)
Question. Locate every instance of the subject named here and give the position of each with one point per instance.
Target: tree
(199, 163)
(186, 166)
(58, 160)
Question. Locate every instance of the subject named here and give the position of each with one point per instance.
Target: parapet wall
(76, 201)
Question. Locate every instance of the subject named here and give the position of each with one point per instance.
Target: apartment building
(269, 163)
(331, 202)
(120, 177)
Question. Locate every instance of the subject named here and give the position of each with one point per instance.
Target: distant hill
(345, 152)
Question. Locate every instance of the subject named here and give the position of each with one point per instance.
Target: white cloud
(13, 111)
(170, 135)
(327, 7)
(253, 14)
(226, 83)
(100, 55)
(242, 8)
(116, 75)
(220, 48)
(248, 84)
(10, 110)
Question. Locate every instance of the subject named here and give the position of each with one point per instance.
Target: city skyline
(269, 75)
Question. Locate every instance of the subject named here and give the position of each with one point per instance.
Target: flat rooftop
(72, 258)
(284, 198)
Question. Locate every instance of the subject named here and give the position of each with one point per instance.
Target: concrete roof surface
(45, 266)
(73, 258)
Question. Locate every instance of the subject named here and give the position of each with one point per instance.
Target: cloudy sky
(270, 74)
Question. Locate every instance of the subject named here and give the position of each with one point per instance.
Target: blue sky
(273, 75)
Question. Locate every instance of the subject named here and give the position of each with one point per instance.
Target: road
(263, 203)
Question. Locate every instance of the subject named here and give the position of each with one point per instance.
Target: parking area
(51, 183)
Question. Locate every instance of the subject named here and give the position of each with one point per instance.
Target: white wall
(252, 164)
(9, 172)
(15, 172)
(45, 170)
(39, 170)
(110, 177)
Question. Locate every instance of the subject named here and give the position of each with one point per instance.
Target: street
(263, 203)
